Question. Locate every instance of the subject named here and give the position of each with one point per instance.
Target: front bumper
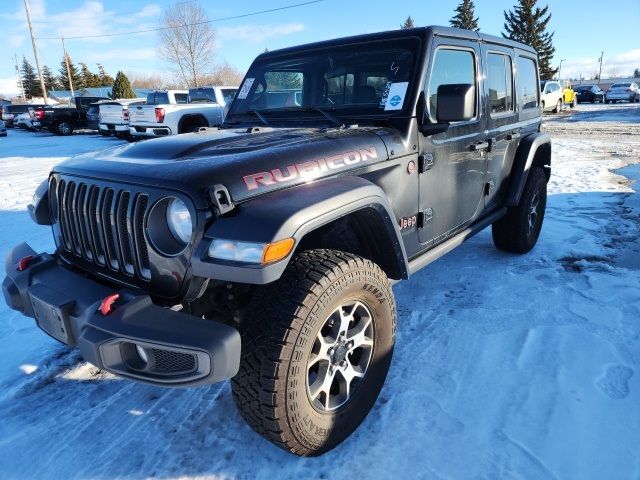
(181, 349)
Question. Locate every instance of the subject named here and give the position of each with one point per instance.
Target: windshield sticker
(246, 86)
(395, 98)
(385, 94)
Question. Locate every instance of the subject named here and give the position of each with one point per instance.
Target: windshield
(371, 78)
(620, 85)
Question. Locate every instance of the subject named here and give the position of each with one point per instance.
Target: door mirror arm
(424, 125)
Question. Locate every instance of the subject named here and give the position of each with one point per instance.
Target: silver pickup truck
(205, 107)
(114, 116)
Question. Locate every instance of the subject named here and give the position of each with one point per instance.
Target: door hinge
(488, 187)
(425, 217)
(425, 162)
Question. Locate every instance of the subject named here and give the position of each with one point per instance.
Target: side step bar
(442, 249)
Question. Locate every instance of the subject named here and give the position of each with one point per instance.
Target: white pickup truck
(114, 116)
(205, 107)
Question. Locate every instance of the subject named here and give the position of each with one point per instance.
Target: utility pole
(560, 69)
(24, 97)
(66, 60)
(600, 73)
(35, 53)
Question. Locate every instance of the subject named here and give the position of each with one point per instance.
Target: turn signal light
(277, 250)
(106, 306)
(24, 262)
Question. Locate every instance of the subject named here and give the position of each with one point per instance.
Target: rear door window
(528, 92)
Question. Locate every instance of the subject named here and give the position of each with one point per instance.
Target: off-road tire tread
(269, 331)
(510, 232)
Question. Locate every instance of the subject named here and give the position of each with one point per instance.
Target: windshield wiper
(329, 116)
(260, 116)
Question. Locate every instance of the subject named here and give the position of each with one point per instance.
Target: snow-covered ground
(506, 366)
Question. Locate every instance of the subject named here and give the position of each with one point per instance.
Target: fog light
(142, 354)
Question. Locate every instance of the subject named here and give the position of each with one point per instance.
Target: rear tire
(290, 387)
(519, 229)
(63, 128)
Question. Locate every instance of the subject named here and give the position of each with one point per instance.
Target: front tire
(316, 348)
(558, 107)
(519, 229)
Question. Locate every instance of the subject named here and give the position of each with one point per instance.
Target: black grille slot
(169, 361)
(104, 226)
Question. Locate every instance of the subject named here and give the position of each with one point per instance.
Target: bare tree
(187, 41)
(224, 74)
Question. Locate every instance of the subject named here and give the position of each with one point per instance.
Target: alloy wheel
(340, 356)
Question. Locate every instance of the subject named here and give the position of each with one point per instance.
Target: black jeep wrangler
(264, 251)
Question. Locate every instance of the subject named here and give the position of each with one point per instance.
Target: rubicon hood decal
(310, 169)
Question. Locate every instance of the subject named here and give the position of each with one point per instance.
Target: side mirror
(456, 102)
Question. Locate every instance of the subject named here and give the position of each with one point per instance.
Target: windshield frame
(415, 43)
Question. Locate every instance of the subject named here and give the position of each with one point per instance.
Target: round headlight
(179, 220)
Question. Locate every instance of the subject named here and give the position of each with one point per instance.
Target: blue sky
(580, 33)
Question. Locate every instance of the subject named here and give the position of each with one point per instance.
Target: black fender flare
(293, 213)
(533, 150)
(191, 116)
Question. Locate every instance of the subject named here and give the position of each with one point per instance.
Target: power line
(108, 14)
(271, 10)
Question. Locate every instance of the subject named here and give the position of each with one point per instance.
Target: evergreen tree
(284, 80)
(122, 87)
(50, 80)
(408, 23)
(105, 79)
(89, 79)
(30, 80)
(527, 23)
(636, 73)
(76, 79)
(464, 17)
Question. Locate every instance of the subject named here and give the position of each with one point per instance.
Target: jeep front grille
(103, 225)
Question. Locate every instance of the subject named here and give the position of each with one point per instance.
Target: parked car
(623, 91)
(205, 108)
(589, 93)
(266, 253)
(63, 120)
(25, 120)
(114, 117)
(551, 96)
(10, 111)
(3, 129)
(568, 94)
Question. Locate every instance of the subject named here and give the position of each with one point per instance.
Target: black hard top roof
(422, 32)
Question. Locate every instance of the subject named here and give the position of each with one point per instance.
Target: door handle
(479, 146)
(513, 136)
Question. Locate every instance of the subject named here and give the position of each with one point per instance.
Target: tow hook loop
(24, 262)
(106, 307)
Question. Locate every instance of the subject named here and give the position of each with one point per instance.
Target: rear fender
(534, 151)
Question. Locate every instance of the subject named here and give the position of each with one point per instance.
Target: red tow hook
(106, 306)
(24, 262)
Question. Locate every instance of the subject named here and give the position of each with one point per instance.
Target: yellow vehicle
(568, 95)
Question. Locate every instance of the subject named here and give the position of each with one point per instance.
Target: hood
(247, 162)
